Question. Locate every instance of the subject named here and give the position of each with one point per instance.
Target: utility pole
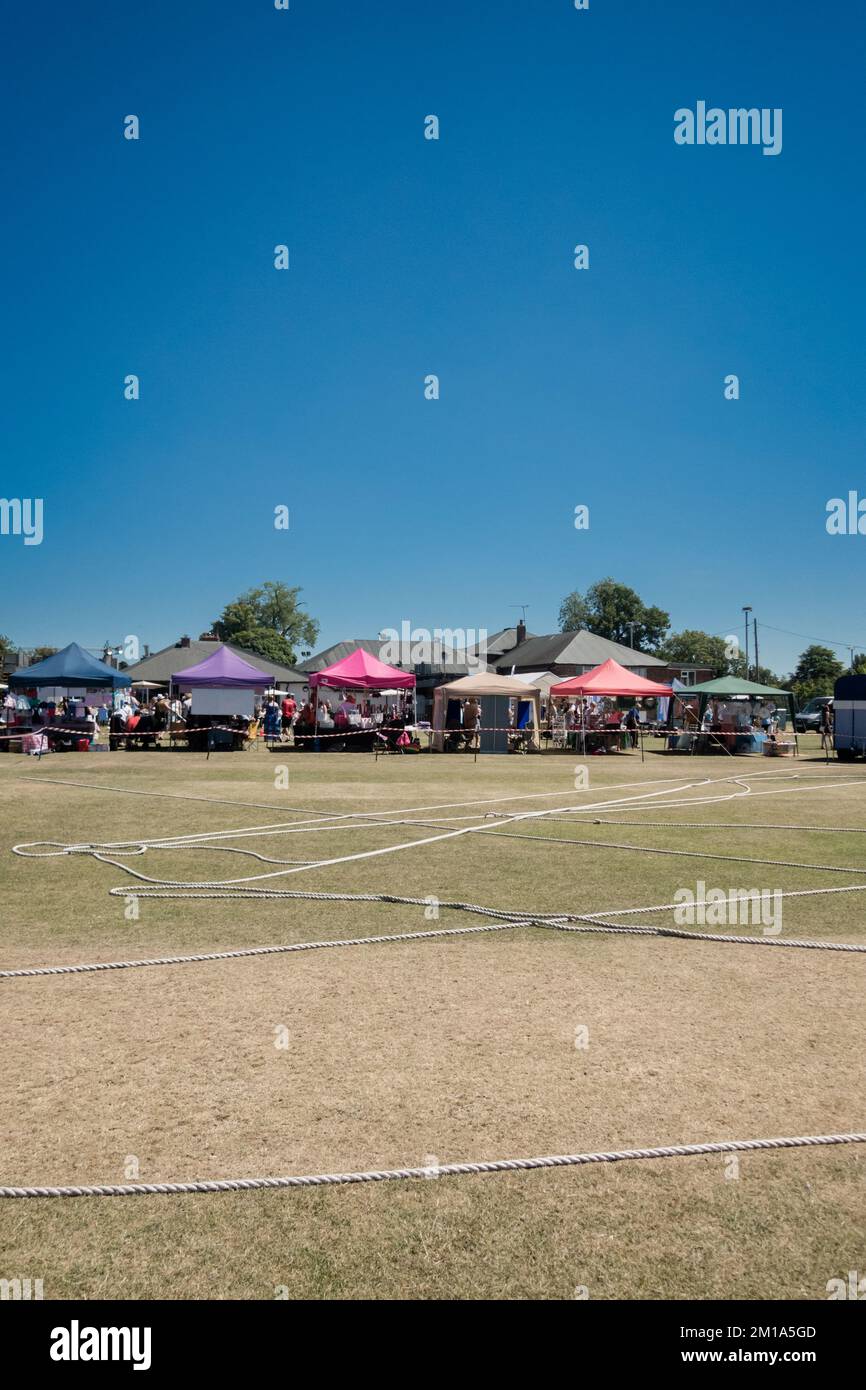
(757, 662)
(631, 633)
(747, 608)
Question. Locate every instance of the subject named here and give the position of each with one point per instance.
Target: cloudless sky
(408, 257)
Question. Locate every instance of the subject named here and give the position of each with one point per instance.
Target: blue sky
(305, 388)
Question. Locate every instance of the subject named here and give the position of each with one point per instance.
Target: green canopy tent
(732, 688)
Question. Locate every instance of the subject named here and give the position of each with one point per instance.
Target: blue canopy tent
(73, 669)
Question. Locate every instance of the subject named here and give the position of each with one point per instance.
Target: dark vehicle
(808, 719)
(849, 718)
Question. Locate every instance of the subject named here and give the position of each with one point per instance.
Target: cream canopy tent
(542, 680)
(481, 685)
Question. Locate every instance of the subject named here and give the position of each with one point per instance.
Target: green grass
(460, 1047)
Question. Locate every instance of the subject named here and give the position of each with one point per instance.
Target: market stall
(731, 715)
(71, 676)
(359, 671)
(486, 713)
(607, 681)
(224, 689)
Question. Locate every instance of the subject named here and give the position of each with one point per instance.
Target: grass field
(415, 1052)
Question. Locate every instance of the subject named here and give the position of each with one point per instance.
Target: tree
(615, 611)
(816, 673)
(701, 649)
(41, 653)
(266, 643)
(6, 645)
(268, 620)
(762, 675)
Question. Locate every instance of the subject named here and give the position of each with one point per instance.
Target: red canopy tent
(361, 671)
(610, 679)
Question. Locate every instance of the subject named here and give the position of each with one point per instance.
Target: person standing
(827, 729)
(289, 709)
(272, 720)
(631, 721)
(471, 719)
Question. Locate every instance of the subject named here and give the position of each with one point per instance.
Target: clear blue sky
(411, 257)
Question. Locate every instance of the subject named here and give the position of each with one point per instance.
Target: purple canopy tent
(223, 670)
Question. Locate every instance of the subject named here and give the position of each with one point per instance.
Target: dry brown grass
(459, 1048)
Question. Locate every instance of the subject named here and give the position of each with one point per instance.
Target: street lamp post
(747, 608)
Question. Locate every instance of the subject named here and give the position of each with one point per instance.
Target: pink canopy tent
(361, 671)
(610, 679)
(224, 669)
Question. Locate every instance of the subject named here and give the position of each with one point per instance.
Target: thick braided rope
(717, 825)
(253, 951)
(586, 923)
(444, 1170)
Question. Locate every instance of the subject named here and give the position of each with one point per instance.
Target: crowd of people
(281, 715)
(598, 722)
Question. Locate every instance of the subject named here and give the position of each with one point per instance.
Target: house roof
(159, 666)
(498, 643)
(580, 648)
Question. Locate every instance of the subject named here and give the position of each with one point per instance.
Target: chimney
(184, 641)
(521, 632)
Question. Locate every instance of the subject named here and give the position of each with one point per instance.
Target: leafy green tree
(701, 649)
(615, 611)
(268, 620)
(816, 673)
(266, 643)
(762, 675)
(41, 653)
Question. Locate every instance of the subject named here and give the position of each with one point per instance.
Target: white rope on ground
(721, 825)
(680, 853)
(238, 889)
(589, 923)
(506, 921)
(440, 1170)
